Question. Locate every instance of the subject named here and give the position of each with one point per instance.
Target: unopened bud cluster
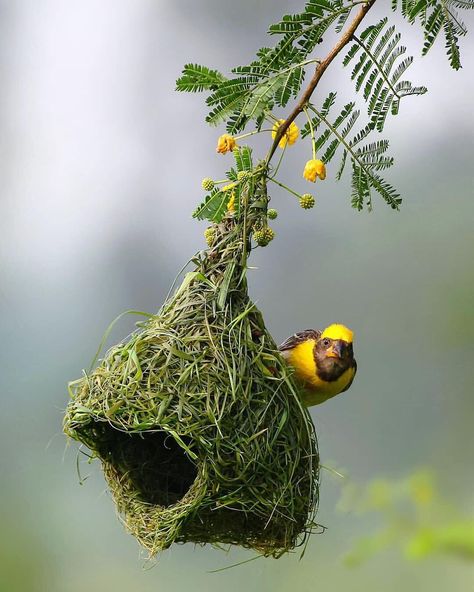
(207, 184)
(244, 175)
(272, 214)
(210, 235)
(307, 201)
(263, 236)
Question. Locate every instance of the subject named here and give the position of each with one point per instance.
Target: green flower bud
(210, 236)
(263, 236)
(243, 175)
(207, 184)
(272, 214)
(307, 201)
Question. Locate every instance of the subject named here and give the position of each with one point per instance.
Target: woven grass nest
(197, 421)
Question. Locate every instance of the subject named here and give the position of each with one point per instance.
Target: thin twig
(320, 69)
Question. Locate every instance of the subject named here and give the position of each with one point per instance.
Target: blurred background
(101, 163)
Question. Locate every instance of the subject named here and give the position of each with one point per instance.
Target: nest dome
(197, 421)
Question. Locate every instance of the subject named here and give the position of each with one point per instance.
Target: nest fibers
(197, 421)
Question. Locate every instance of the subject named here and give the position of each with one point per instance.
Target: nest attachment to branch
(197, 421)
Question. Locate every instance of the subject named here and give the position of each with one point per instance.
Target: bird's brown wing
(298, 338)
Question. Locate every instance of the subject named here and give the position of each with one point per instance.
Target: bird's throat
(331, 369)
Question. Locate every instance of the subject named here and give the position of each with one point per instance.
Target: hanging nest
(197, 421)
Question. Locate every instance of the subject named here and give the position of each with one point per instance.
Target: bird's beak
(335, 351)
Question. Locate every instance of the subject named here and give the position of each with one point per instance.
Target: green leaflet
(435, 16)
(378, 70)
(213, 207)
(196, 78)
(367, 159)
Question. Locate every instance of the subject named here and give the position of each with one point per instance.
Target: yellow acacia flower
(225, 143)
(229, 187)
(290, 136)
(231, 204)
(313, 169)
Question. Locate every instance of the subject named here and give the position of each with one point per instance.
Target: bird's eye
(326, 342)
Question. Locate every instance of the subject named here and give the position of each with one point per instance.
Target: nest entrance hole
(155, 465)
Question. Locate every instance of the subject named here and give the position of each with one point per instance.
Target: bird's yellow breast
(315, 390)
(302, 359)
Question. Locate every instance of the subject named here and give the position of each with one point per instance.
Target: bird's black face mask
(333, 357)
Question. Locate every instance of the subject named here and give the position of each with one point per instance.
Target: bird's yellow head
(335, 343)
(338, 332)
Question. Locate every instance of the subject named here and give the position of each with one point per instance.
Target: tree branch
(320, 69)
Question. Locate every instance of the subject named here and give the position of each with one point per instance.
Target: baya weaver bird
(323, 361)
